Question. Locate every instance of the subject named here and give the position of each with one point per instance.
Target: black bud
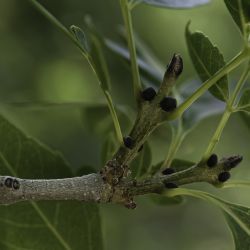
(8, 182)
(128, 142)
(224, 176)
(233, 161)
(16, 184)
(212, 160)
(168, 104)
(168, 171)
(170, 185)
(148, 94)
(175, 66)
(140, 149)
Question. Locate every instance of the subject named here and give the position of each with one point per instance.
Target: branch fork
(113, 183)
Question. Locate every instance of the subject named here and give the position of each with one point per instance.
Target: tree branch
(92, 188)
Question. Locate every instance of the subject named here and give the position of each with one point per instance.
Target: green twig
(226, 115)
(126, 13)
(114, 117)
(177, 139)
(217, 134)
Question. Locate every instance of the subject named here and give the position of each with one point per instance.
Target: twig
(150, 115)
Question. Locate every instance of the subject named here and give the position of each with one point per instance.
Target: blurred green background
(39, 64)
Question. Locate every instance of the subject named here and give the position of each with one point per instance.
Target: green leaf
(240, 11)
(236, 184)
(237, 216)
(244, 103)
(241, 238)
(207, 60)
(46, 224)
(176, 4)
(80, 37)
(238, 219)
(141, 165)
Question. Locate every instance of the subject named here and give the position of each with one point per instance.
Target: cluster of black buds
(228, 164)
(167, 104)
(11, 183)
(174, 69)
